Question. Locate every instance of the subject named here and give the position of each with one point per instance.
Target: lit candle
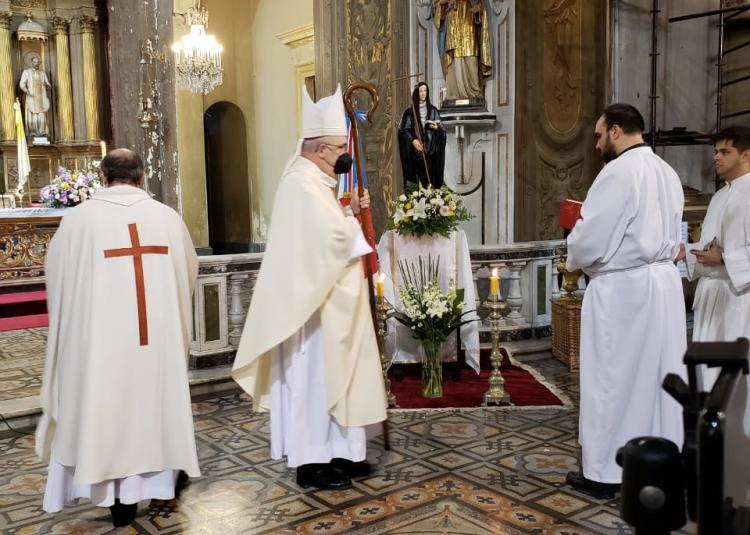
(379, 286)
(494, 283)
(103, 146)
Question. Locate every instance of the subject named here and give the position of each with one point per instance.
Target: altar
(455, 265)
(25, 234)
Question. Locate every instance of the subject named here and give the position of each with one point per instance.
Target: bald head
(122, 166)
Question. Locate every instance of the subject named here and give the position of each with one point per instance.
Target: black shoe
(600, 491)
(123, 513)
(182, 481)
(352, 469)
(323, 477)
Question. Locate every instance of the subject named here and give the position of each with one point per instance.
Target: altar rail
(225, 284)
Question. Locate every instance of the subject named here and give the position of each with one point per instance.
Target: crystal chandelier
(198, 55)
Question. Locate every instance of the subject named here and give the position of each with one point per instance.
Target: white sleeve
(604, 220)
(737, 258)
(360, 247)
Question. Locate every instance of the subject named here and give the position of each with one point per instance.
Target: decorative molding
(5, 18)
(304, 35)
(28, 3)
(503, 51)
(87, 23)
(559, 180)
(562, 58)
(60, 25)
(503, 155)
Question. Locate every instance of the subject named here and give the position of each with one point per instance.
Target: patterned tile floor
(21, 362)
(476, 471)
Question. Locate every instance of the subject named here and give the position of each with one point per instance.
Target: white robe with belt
(722, 299)
(633, 318)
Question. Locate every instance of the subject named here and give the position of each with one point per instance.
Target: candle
(379, 286)
(103, 146)
(494, 283)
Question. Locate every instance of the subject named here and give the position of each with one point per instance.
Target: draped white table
(455, 265)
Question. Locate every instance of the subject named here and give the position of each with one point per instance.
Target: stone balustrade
(225, 284)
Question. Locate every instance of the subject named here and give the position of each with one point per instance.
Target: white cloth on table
(62, 490)
(302, 428)
(455, 265)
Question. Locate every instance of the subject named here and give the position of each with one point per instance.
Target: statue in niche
(34, 84)
(421, 139)
(463, 38)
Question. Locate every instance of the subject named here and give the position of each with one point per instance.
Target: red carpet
(469, 390)
(23, 310)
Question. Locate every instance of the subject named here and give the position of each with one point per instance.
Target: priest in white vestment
(117, 424)
(721, 259)
(308, 350)
(633, 329)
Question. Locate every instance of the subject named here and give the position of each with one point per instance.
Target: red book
(570, 212)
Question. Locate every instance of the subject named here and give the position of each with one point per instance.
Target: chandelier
(198, 55)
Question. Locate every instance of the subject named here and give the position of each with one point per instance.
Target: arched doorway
(227, 182)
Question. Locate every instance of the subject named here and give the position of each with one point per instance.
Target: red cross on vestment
(137, 251)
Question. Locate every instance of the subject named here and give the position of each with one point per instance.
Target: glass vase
(432, 370)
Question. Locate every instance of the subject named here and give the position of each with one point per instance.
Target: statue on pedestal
(421, 141)
(34, 84)
(463, 37)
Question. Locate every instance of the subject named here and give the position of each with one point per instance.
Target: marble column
(90, 87)
(7, 123)
(64, 86)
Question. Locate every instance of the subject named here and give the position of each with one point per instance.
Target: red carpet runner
(469, 390)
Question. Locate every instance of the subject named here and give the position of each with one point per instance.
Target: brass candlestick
(382, 308)
(496, 394)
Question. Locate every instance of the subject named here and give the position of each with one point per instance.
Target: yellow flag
(24, 165)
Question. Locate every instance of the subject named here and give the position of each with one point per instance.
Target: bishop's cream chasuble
(308, 273)
(115, 396)
(633, 328)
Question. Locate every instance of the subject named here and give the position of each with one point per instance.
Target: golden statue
(464, 46)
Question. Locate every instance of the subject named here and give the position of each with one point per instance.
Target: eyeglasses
(341, 148)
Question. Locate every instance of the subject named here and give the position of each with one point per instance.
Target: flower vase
(432, 370)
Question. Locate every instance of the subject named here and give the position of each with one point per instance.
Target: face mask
(343, 164)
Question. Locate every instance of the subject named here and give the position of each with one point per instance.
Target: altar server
(633, 317)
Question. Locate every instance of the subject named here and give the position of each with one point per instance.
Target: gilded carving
(87, 24)
(5, 18)
(60, 25)
(28, 3)
(23, 247)
(559, 181)
(370, 59)
(562, 60)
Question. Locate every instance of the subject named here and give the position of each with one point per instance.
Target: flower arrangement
(428, 211)
(70, 188)
(431, 314)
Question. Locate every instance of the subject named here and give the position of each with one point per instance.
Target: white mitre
(326, 117)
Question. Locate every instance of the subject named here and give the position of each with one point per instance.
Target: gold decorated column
(7, 121)
(90, 89)
(64, 85)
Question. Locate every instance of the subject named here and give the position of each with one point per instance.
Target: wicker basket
(566, 330)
